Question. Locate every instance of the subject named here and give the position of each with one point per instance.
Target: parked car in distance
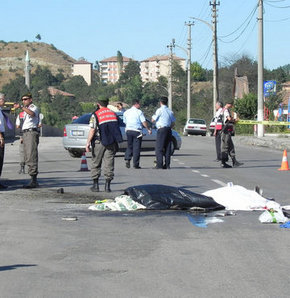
(75, 136)
(195, 126)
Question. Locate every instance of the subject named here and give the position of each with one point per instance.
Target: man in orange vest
(104, 136)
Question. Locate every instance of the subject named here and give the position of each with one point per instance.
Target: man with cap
(103, 138)
(30, 132)
(134, 120)
(165, 120)
(228, 148)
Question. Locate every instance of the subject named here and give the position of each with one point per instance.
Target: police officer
(165, 120)
(30, 137)
(218, 127)
(104, 136)
(2, 133)
(228, 147)
(19, 124)
(134, 120)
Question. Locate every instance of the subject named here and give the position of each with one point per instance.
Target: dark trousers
(2, 150)
(163, 147)
(133, 147)
(228, 148)
(218, 142)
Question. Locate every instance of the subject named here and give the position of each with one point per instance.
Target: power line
(275, 6)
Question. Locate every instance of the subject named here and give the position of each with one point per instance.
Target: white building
(110, 69)
(156, 66)
(83, 68)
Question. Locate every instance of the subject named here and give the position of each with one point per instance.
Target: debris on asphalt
(202, 221)
(285, 225)
(70, 218)
(273, 216)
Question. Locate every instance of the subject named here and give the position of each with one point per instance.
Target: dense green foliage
(59, 110)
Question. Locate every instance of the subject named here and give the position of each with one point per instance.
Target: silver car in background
(75, 136)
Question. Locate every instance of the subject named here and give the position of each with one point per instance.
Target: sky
(97, 29)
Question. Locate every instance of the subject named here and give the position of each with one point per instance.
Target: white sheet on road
(236, 197)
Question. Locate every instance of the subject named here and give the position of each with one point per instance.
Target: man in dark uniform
(104, 136)
(30, 137)
(165, 120)
(228, 148)
(217, 130)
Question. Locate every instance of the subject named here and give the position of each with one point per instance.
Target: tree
(198, 74)
(38, 37)
(131, 70)
(77, 86)
(15, 89)
(246, 107)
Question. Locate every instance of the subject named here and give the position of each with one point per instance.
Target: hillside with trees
(59, 110)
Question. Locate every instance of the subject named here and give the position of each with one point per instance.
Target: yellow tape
(263, 122)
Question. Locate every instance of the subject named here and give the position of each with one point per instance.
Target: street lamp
(215, 62)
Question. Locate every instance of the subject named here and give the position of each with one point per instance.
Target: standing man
(104, 136)
(165, 121)
(218, 127)
(134, 120)
(120, 107)
(19, 124)
(228, 147)
(30, 137)
(2, 133)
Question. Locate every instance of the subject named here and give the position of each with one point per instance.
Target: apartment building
(83, 68)
(110, 69)
(156, 66)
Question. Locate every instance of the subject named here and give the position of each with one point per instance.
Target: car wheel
(172, 146)
(75, 154)
(204, 134)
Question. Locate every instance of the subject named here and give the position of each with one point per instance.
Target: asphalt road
(146, 253)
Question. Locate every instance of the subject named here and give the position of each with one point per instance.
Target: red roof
(82, 62)
(53, 91)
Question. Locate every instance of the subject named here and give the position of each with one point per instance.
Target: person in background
(134, 120)
(103, 138)
(228, 148)
(30, 132)
(218, 128)
(2, 135)
(165, 121)
(19, 124)
(120, 107)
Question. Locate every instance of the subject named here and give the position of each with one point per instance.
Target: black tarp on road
(160, 197)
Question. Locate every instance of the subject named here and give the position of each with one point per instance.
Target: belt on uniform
(29, 129)
(163, 127)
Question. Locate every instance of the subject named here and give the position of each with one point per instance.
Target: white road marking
(204, 175)
(181, 163)
(195, 171)
(219, 182)
(175, 159)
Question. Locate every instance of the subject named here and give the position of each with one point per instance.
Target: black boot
(107, 185)
(225, 165)
(236, 163)
(33, 183)
(22, 170)
(95, 187)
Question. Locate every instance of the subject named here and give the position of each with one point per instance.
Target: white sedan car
(195, 126)
(75, 136)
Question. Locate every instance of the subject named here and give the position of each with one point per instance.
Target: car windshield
(196, 121)
(85, 119)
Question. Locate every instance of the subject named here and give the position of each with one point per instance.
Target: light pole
(188, 53)
(215, 62)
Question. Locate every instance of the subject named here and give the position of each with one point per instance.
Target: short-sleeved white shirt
(29, 121)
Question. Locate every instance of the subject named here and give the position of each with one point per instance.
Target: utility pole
(215, 55)
(27, 70)
(170, 46)
(189, 24)
(260, 69)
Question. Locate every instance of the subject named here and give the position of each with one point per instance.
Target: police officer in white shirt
(134, 120)
(30, 137)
